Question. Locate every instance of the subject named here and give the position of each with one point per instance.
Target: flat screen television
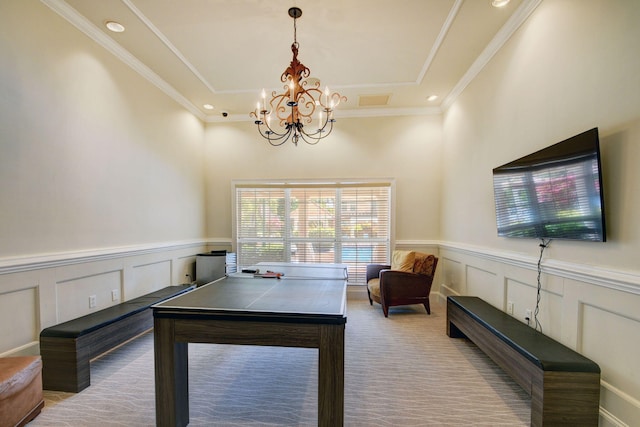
(554, 193)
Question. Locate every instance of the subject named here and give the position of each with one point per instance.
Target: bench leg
(452, 330)
(65, 364)
(565, 398)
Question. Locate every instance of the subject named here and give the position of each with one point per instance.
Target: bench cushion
(93, 321)
(541, 350)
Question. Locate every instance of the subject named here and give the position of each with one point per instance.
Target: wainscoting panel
(550, 311)
(47, 289)
(591, 310)
(611, 338)
(184, 269)
(149, 277)
(452, 282)
(73, 295)
(486, 283)
(17, 327)
(609, 332)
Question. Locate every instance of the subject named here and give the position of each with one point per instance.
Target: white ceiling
(224, 52)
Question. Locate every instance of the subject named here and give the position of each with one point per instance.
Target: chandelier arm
(274, 142)
(321, 133)
(278, 140)
(268, 133)
(310, 139)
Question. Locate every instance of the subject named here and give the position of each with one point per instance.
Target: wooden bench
(564, 385)
(67, 348)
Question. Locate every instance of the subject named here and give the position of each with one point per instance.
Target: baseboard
(29, 349)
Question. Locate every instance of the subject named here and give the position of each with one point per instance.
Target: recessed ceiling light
(499, 3)
(208, 107)
(114, 26)
(432, 98)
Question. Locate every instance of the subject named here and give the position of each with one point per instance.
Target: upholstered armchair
(406, 281)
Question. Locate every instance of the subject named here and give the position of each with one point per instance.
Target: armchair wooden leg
(427, 306)
(369, 295)
(385, 310)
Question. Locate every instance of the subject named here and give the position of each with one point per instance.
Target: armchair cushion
(424, 264)
(403, 260)
(374, 288)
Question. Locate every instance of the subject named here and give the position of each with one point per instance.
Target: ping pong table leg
(172, 376)
(331, 376)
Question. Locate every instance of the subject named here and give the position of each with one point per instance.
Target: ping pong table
(306, 307)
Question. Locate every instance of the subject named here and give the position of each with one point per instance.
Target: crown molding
(94, 33)
(160, 35)
(440, 39)
(72, 16)
(506, 32)
(343, 114)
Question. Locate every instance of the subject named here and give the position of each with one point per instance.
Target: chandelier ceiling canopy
(302, 110)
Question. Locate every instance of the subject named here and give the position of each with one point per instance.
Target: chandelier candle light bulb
(291, 94)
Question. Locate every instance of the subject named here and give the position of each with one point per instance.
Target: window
(347, 223)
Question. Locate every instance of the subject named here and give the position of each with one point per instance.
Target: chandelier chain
(295, 32)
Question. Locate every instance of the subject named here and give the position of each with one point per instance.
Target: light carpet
(399, 371)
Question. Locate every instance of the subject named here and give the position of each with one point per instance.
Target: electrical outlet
(92, 301)
(510, 307)
(114, 295)
(527, 316)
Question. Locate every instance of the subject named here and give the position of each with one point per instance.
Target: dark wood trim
(67, 349)
(566, 398)
(172, 335)
(66, 361)
(248, 332)
(331, 376)
(171, 375)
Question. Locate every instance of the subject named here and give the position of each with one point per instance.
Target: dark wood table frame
(175, 327)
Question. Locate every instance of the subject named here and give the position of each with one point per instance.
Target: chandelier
(302, 110)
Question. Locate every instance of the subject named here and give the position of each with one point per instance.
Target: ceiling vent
(373, 100)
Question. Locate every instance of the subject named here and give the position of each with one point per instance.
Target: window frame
(338, 184)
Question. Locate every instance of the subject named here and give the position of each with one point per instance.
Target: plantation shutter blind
(315, 223)
(260, 231)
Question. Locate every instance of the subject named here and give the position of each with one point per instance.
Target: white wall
(107, 184)
(101, 178)
(405, 148)
(572, 66)
(93, 155)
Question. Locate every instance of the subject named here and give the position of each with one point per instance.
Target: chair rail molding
(57, 259)
(625, 281)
